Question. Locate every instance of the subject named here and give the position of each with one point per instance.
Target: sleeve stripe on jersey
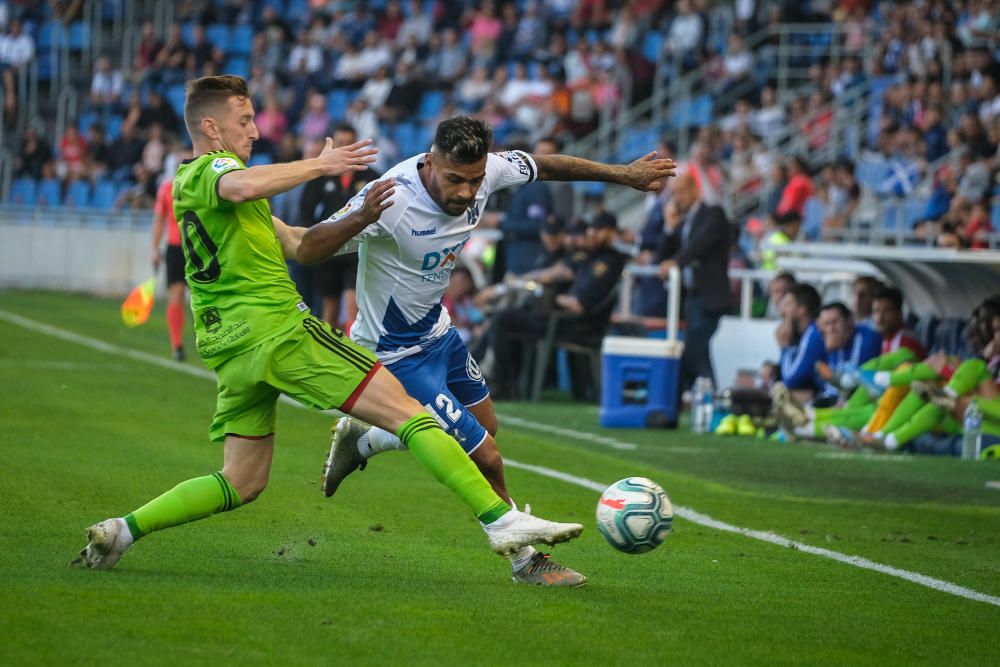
(324, 338)
(531, 165)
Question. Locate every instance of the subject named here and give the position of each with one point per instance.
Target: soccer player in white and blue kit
(430, 205)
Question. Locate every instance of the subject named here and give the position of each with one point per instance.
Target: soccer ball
(634, 515)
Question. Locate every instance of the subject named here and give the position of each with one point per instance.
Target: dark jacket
(706, 251)
(324, 196)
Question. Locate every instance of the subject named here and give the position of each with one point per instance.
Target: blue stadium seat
(114, 128)
(591, 188)
(86, 119)
(51, 32)
(79, 36)
(175, 97)
(338, 100)
(652, 45)
(78, 195)
(636, 143)
(23, 192)
(238, 65)
(695, 112)
(871, 173)
(217, 34)
(913, 211)
(105, 193)
(260, 158)
(430, 105)
(812, 219)
(240, 42)
(50, 192)
(187, 33)
(995, 216)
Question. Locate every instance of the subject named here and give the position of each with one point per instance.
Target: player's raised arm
(268, 180)
(648, 173)
(325, 239)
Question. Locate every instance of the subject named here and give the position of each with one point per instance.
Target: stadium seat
(23, 192)
(51, 32)
(338, 100)
(50, 193)
(187, 33)
(105, 193)
(218, 35)
(812, 219)
(87, 119)
(240, 42)
(78, 195)
(260, 158)
(79, 36)
(430, 105)
(995, 216)
(238, 65)
(695, 112)
(652, 45)
(175, 97)
(636, 143)
(114, 128)
(871, 173)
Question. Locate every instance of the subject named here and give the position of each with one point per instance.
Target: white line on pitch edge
(683, 512)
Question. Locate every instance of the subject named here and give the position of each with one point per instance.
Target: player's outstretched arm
(648, 174)
(326, 238)
(289, 237)
(268, 180)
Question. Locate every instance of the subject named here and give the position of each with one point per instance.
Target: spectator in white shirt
(106, 86)
(376, 89)
(16, 48)
(686, 31)
(306, 55)
(375, 53)
(417, 24)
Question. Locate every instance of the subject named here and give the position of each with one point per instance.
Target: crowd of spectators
(536, 69)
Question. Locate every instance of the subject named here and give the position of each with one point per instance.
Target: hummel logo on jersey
(424, 232)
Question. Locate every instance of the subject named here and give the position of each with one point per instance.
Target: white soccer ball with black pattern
(634, 515)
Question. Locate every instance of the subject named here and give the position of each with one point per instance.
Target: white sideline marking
(764, 536)
(865, 456)
(683, 512)
(614, 443)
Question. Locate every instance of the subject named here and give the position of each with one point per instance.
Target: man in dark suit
(697, 241)
(335, 278)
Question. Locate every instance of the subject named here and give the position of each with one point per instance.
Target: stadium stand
(907, 94)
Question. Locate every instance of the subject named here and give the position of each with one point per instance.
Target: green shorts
(314, 364)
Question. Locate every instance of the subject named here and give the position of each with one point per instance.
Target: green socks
(969, 374)
(188, 501)
(440, 454)
(907, 375)
(889, 361)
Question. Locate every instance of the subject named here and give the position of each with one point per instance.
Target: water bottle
(708, 404)
(972, 432)
(697, 414)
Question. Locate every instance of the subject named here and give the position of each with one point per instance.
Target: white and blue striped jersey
(407, 257)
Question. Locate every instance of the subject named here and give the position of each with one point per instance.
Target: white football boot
(517, 529)
(107, 545)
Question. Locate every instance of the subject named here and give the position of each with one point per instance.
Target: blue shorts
(446, 380)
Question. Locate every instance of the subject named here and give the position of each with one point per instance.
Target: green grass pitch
(394, 570)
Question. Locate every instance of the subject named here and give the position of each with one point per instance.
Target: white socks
(376, 440)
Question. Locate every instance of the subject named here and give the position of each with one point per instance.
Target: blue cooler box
(639, 378)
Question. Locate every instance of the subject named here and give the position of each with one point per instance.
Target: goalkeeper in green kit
(256, 333)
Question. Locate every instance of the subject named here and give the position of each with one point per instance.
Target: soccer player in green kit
(256, 333)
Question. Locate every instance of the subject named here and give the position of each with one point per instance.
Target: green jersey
(241, 293)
